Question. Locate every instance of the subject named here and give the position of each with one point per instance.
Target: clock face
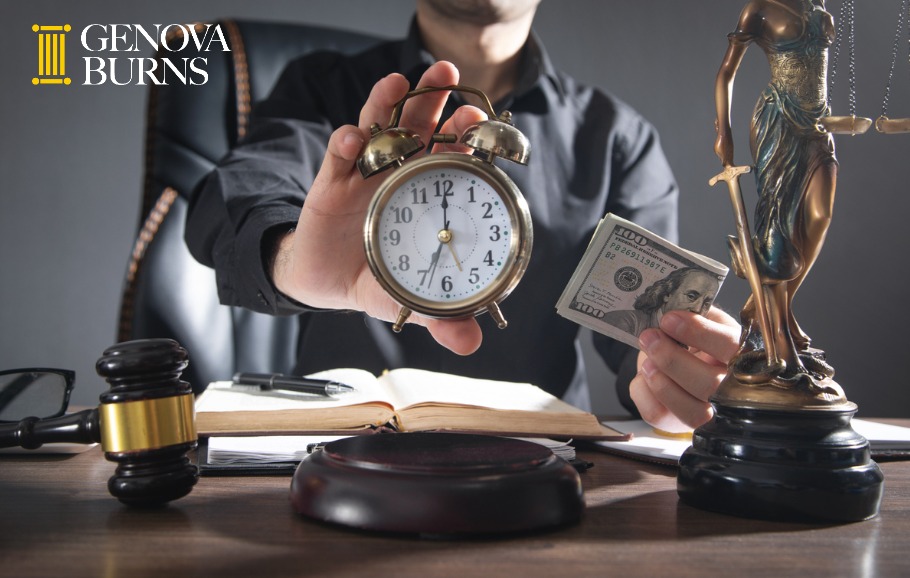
(446, 234)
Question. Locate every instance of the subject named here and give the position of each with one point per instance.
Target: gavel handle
(31, 433)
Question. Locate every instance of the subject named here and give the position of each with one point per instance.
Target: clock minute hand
(445, 236)
(433, 262)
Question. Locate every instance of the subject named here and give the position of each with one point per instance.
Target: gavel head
(147, 421)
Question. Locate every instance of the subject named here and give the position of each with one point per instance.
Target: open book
(402, 400)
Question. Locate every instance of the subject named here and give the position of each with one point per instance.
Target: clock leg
(402, 317)
(496, 314)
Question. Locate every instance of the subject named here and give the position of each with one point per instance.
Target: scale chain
(904, 12)
(846, 15)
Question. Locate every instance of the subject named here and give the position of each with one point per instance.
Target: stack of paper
(252, 450)
(262, 449)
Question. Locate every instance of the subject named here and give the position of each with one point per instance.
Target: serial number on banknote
(643, 259)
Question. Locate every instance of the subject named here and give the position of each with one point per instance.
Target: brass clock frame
(520, 245)
(496, 137)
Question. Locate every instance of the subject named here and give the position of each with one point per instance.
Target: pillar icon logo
(51, 54)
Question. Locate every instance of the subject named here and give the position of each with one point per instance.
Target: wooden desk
(57, 519)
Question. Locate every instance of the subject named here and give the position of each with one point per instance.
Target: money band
(147, 424)
(686, 435)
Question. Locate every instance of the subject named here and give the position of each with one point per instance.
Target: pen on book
(277, 381)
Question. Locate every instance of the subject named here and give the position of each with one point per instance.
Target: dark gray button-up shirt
(591, 154)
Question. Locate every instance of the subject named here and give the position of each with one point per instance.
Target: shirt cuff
(254, 247)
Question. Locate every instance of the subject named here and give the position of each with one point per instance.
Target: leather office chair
(188, 129)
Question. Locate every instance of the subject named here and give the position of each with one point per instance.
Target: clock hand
(445, 236)
(433, 263)
(451, 247)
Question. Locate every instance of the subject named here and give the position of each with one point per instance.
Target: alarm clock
(449, 234)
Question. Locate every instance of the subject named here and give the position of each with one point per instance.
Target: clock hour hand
(451, 245)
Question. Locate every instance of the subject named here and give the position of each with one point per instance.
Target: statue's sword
(731, 176)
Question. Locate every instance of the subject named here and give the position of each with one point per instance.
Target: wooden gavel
(145, 423)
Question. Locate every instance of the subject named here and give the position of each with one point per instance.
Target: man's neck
(486, 55)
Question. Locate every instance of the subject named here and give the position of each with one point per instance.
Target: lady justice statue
(796, 174)
(780, 444)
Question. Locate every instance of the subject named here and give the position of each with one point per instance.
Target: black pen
(277, 381)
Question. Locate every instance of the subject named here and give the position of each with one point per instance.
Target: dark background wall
(71, 159)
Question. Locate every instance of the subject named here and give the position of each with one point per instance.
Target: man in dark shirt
(281, 226)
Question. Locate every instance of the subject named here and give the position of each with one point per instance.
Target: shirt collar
(535, 66)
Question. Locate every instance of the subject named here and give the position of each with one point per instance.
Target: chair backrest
(188, 129)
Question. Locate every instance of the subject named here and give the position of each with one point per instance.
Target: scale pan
(845, 124)
(887, 125)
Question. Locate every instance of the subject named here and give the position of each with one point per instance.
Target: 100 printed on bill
(629, 277)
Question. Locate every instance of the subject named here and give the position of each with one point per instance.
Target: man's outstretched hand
(322, 263)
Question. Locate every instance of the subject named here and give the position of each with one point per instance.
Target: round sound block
(437, 483)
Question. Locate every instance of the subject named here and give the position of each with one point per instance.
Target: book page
(221, 396)
(647, 443)
(412, 387)
(276, 449)
(262, 449)
(882, 436)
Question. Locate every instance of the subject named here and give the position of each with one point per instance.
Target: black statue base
(781, 465)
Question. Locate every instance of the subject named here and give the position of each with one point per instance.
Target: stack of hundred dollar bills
(629, 277)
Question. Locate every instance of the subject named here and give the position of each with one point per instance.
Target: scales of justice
(780, 445)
